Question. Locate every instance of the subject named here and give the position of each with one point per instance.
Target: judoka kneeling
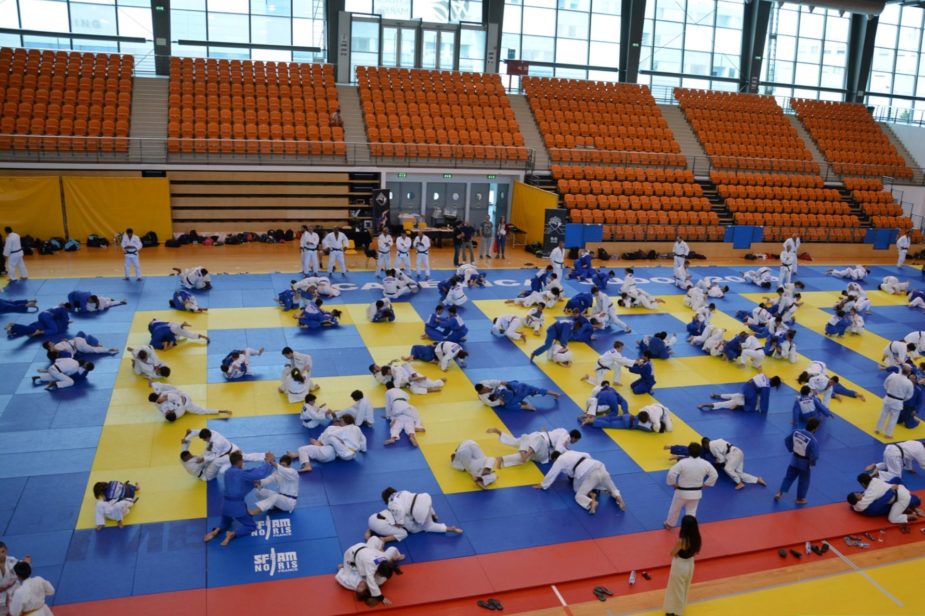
(280, 490)
(589, 476)
(366, 567)
(407, 513)
(337, 441)
(114, 499)
(536, 446)
(469, 457)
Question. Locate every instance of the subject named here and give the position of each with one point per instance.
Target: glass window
(697, 63)
(511, 18)
(134, 22)
(432, 11)
(570, 51)
(228, 28)
(603, 75)
(669, 34)
(809, 50)
(44, 15)
(465, 10)
(393, 9)
(608, 7)
(605, 54)
(572, 25)
(667, 60)
(812, 24)
(358, 6)
(276, 8)
(93, 19)
(540, 22)
(698, 38)
(472, 50)
(241, 7)
(833, 77)
(9, 18)
(903, 85)
(729, 15)
(192, 5)
(187, 25)
(538, 48)
(910, 38)
(271, 30)
(700, 12)
(605, 28)
(806, 74)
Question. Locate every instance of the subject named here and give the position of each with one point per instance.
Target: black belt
(422, 252)
(577, 464)
(902, 454)
(381, 517)
(729, 447)
(335, 249)
(292, 497)
(690, 489)
(677, 255)
(385, 253)
(411, 508)
(558, 262)
(353, 563)
(130, 252)
(895, 397)
(309, 249)
(13, 252)
(201, 470)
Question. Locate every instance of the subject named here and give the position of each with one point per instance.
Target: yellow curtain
(32, 206)
(107, 205)
(528, 209)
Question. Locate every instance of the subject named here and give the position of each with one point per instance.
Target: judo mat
(55, 445)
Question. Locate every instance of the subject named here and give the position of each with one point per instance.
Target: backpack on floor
(149, 239)
(603, 255)
(172, 243)
(71, 245)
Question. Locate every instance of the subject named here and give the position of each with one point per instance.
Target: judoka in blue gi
(733, 348)
(585, 328)
(440, 353)
(651, 418)
(538, 281)
(755, 396)
(236, 365)
(908, 417)
(808, 406)
(510, 395)
(699, 321)
(658, 346)
(313, 316)
(186, 301)
(435, 326)
(579, 304)
(164, 334)
(84, 301)
(238, 484)
(646, 381)
(582, 270)
(380, 311)
(604, 400)
(838, 324)
(444, 286)
(50, 322)
(18, 305)
(559, 333)
(455, 327)
(805, 449)
(601, 277)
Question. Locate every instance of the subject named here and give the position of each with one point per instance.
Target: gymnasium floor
(54, 445)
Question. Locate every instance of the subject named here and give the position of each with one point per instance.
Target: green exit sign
(491, 177)
(402, 175)
(447, 176)
(159, 8)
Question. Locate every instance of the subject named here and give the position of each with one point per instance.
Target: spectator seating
(438, 115)
(600, 122)
(745, 131)
(60, 101)
(850, 139)
(877, 203)
(657, 198)
(252, 108)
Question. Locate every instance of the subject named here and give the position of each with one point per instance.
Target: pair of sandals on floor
(600, 592)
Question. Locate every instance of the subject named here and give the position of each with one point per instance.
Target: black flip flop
(782, 553)
(488, 605)
(600, 596)
(603, 590)
(796, 554)
(646, 576)
(496, 605)
(823, 548)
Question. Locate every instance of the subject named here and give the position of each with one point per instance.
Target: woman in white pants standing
(682, 567)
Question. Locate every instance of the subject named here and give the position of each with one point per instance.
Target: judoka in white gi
(301, 362)
(422, 255)
(680, 252)
(711, 340)
(682, 276)
(215, 455)
(752, 352)
(611, 361)
(456, 296)
(239, 362)
(77, 344)
(898, 389)
(470, 458)
(366, 567)
(403, 375)
(893, 286)
(688, 477)
(341, 441)
(308, 250)
(902, 248)
(761, 277)
(605, 311)
(194, 465)
(313, 286)
(114, 501)
(131, 246)
(197, 278)
(8, 580)
(63, 373)
(902, 507)
(546, 299)
(410, 513)
(314, 415)
(535, 446)
(383, 252)
(897, 352)
(393, 288)
(508, 326)
(361, 410)
(294, 384)
(589, 478)
(29, 598)
(147, 364)
(787, 264)
(278, 491)
(174, 403)
(12, 250)
(856, 273)
(402, 251)
(792, 244)
(557, 259)
(733, 460)
(335, 243)
(403, 417)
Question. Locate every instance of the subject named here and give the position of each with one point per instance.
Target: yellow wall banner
(528, 209)
(105, 206)
(32, 206)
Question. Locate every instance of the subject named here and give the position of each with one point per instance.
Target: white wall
(913, 137)
(912, 199)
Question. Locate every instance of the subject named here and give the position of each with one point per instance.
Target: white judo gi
(294, 389)
(659, 418)
(29, 598)
(360, 563)
(733, 459)
(605, 311)
(456, 296)
(361, 411)
(893, 286)
(540, 445)
(278, 491)
(402, 250)
(898, 389)
(878, 488)
(611, 361)
(760, 277)
(177, 402)
(902, 247)
(12, 250)
(688, 477)
(898, 457)
(752, 352)
(508, 325)
(383, 253)
(557, 260)
(422, 255)
(62, 372)
(336, 243)
(193, 278)
(131, 246)
(469, 457)
(407, 512)
(313, 416)
(308, 249)
(587, 474)
(148, 366)
(342, 442)
(680, 252)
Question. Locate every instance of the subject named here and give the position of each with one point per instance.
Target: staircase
(811, 146)
(354, 130)
(531, 133)
(684, 134)
(148, 128)
(717, 203)
(846, 197)
(917, 176)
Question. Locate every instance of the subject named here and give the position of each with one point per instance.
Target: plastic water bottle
(809, 547)
(632, 577)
